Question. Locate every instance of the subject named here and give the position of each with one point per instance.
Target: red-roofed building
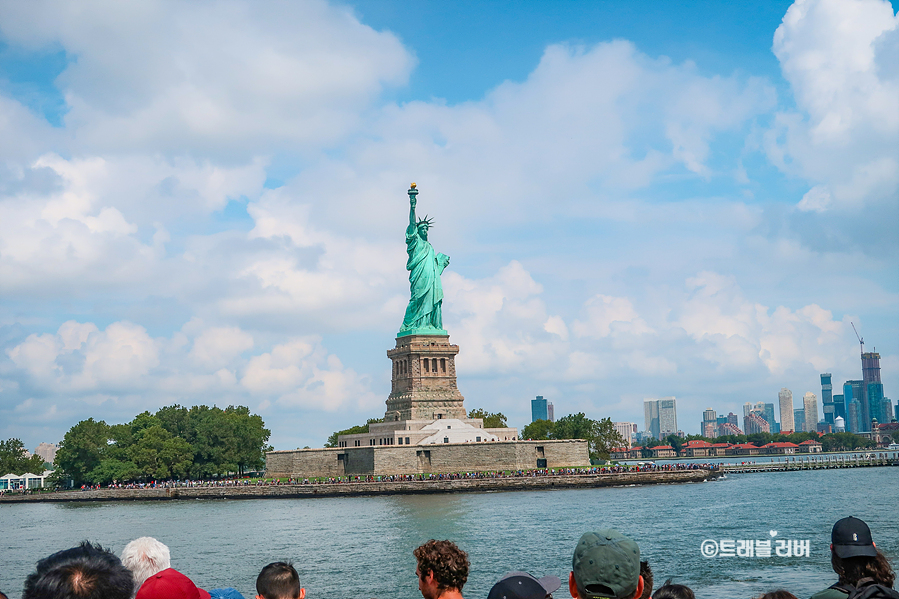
(780, 448)
(696, 448)
(719, 448)
(623, 453)
(810, 446)
(663, 451)
(742, 449)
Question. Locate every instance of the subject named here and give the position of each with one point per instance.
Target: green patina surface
(424, 314)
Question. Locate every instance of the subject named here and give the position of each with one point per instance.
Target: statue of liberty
(424, 313)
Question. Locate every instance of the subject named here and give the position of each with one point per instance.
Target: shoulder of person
(830, 593)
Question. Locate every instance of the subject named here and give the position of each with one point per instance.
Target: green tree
(353, 430)
(81, 451)
(214, 441)
(13, 459)
(606, 438)
(173, 443)
(252, 438)
(491, 420)
(159, 455)
(675, 442)
(538, 430)
(601, 436)
(176, 420)
(844, 442)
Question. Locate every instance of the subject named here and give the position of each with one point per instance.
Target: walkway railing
(818, 462)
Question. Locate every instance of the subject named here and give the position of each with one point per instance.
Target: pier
(818, 462)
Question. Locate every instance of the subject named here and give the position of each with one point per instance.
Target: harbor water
(362, 546)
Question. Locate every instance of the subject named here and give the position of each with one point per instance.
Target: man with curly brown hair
(442, 570)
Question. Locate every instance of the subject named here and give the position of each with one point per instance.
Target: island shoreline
(362, 489)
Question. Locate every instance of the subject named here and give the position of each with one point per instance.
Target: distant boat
(893, 447)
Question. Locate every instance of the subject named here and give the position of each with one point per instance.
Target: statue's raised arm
(412, 202)
(424, 313)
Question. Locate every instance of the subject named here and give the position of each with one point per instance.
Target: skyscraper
(875, 402)
(839, 407)
(668, 416)
(754, 423)
(626, 430)
(852, 418)
(651, 414)
(766, 411)
(550, 412)
(854, 392)
(538, 409)
(827, 397)
(810, 404)
(871, 374)
(785, 400)
(661, 416)
(747, 408)
(799, 419)
(709, 427)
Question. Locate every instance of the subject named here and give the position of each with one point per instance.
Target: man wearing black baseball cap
(606, 565)
(856, 559)
(521, 585)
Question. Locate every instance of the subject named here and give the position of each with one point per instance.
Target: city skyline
(204, 206)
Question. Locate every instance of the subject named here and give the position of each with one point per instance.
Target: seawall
(355, 489)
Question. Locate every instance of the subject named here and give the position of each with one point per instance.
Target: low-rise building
(810, 446)
(780, 448)
(696, 449)
(742, 449)
(11, 482)
(718, 449)
(663, 451)
(623, 453)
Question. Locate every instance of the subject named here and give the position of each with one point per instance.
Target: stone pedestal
(424, 379)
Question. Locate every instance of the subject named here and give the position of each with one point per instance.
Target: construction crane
(860, 340)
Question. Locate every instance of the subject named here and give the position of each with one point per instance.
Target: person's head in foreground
(778, 594)
(521, 585)
(442, 569)
(854, 555)
(170, 584)
(673, 591)
(606, 564)
(84, 572)
(279, 580)
(145, 557)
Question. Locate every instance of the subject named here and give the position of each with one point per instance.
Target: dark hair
(278, 580)
(448, 563)
(853, 569)
(673, 591)
(84, 572)
(3, 596)
(646, 573)
(778, 594)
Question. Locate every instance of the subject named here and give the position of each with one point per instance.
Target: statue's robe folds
(425, 267)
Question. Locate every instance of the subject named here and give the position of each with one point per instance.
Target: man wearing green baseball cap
(606, 565)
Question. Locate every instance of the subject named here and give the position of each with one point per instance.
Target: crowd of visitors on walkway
(497, 474)
(606, 565)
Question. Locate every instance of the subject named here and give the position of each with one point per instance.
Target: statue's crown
(426, 221)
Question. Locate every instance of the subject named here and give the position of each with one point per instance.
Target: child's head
(279, 580)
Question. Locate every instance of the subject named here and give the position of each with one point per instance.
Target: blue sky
(204, 203)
